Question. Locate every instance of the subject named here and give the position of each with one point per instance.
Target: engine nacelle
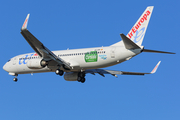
(36, 64)
(71, 76)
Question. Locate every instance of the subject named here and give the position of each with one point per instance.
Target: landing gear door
(113, 52)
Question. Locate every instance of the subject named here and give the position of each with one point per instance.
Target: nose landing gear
(15, 78)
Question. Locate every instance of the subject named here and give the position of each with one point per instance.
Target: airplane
(76, 63)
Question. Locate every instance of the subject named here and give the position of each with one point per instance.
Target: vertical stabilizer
(137, 32)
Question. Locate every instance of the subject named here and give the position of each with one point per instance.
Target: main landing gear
(81, 77)
(59, 72)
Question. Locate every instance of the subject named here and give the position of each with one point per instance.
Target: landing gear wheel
(15, 79)
(83, 80)
(79, 79)
(81, 74)
(59, 72)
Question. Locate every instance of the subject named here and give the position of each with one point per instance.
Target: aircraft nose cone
(5, 67)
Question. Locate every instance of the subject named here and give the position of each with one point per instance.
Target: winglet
(155, 68)
(25, 23)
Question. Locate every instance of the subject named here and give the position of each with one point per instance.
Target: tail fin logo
(139, 35)
(137, 32)
(138, 25)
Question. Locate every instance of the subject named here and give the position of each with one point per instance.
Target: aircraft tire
(79, 79)
(83, 80)
(15, 79)
(59, 72)
(81, 74)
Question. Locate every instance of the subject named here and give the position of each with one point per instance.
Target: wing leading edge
(39, 48)
(115, 73)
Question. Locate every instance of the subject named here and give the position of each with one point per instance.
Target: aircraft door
(113, 52)
(14, 61)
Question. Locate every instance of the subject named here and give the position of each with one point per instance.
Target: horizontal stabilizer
(129, 44)
(155, 51)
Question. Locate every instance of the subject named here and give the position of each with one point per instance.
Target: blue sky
(91, 23)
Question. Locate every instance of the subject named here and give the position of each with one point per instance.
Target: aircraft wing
(39, 48)
(115, 73)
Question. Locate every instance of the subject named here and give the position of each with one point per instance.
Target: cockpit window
(9, 60)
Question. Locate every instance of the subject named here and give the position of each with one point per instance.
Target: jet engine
(71, 76)
(36, 63)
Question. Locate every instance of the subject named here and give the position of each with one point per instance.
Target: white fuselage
(79, 59)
